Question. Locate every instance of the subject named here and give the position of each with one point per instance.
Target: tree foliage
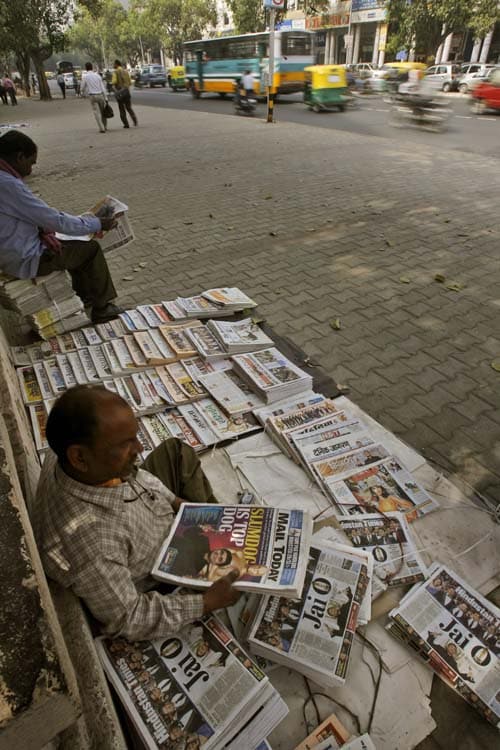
(34, 29)
(178, 21)
(424, 24)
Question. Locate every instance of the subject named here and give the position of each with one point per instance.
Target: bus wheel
(222, 94)
(317, 108)
(194, 92)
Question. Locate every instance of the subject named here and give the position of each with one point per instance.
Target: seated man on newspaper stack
(28, 245)
(100, 521)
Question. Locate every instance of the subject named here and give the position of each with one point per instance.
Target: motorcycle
(243, 105)
(423, 112)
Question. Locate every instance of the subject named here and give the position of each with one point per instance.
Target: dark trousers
(12, 94)
(3, 95)
(125, 105)
(88, 268)
(176, 464)
(62, 86)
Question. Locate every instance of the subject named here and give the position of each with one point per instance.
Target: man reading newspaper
(100, 520)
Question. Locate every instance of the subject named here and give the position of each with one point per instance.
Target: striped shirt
(102, 542)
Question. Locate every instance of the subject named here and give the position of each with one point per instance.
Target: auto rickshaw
(177, 77)
(326, 87)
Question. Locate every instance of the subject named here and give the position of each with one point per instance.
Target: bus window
(295, 44)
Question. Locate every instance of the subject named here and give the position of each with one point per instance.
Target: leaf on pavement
(439, 277)
(335, 324)
(496, 364)
(404, 279)
(455, 286)
(127, 278)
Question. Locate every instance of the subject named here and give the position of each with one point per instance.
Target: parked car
(366, 70)
(486, 95)
(68, 80)
(152, 75)
(444, 76)
(471, 74)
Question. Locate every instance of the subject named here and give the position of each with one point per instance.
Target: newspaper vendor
(28, 244)
(99, 521)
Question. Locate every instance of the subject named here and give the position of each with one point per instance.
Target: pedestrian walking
(3, 94)
(62, 84)
(33, 83)
(121, 82)
(76, 84)
(93, 87)
(10, 89)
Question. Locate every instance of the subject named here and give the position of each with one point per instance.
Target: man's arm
(108, 590)
(20, 203)
(83, 89)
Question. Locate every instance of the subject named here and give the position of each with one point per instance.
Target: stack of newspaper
(357, 473)
(267, 547)
(271, 374)
(313, 634)
(197, 688)
(230, 392)
(48, 302)
(457, 632)
(230, 299)
(240, 336)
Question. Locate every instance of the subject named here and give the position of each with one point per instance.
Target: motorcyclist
(416, 92)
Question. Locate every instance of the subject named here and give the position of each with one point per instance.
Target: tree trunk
(45, 94)
(23, 65)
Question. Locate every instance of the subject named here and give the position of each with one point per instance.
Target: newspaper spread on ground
(383, 487)
(329, 437)
(457, 632)
(313, 634)
(396, 561)
(331, 730)
(197, 688)
(267, 547)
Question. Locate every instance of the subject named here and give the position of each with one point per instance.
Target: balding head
(93, 433)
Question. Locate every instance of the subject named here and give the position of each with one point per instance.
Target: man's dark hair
(229, 556)
(88, 66)
(74, 418)
(14, 142)
(117, 62)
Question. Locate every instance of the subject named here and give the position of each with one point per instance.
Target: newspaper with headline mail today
(457, 631)
(314, 634)
(266, 547)
(176, 688)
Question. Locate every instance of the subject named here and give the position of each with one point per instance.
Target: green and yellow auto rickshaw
(326, 87)
(177, 77)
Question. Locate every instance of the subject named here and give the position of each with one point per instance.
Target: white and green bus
(213, 65)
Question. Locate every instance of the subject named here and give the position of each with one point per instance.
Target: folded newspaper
(314, 634)
(267, 547)
(382, 487)
(396, 561)
(194, 689)
(457, 632)
(331, 734)
(120, 235)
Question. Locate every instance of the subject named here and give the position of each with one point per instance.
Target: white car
(471, 74)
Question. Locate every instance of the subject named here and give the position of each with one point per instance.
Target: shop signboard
(369, 15)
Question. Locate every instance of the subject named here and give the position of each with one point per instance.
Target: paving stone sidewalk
(317, 225)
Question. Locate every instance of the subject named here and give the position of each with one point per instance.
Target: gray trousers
(88, 268)
(97, 102)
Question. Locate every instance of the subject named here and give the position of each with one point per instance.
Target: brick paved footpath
(352, 215)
